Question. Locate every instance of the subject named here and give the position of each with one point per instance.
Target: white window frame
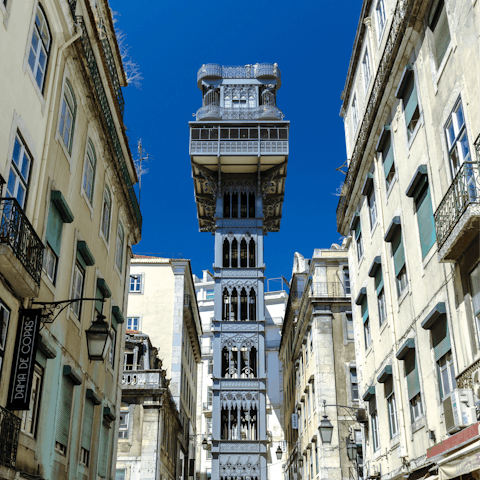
(17, 171)
(367, 333)
(446, 374)
(353, 385)
(416, 407)
(90, 164)
(67, 111)
(77, 272)
(30, 416)
(367, 71)
(459, 132)
(349, 320)
(139, 320)
(372, 208)
(139, 276)
(120, 247)
(375, 431)
(392, 414)
(50, 263)
(106, 222)
(382, 306)
(380, 18)
(123, 428)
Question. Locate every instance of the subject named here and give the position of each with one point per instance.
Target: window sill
(419, 424)
(87, 201)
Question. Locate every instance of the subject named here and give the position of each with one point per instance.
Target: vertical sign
(23, 363)
(294, 421)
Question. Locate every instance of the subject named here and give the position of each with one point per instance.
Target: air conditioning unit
(373, 471)
(459, 410)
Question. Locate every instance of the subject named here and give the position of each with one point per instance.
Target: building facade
(318, 356)
(275, 303)
(239, 151)
(69, 219)
(162, 304)
(410, 209)
(149, 423)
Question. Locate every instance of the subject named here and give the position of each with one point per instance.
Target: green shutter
(411, 373)
(387, 154)
(87, 424)
(358, 229)
(104, 449)
(114, 323)
(410, 100)
(99, 302)
(398, 253)
(41, 358)
(426, 223)
(364, 309)
(442, 36)
(54, 229)
(378, 281)
(64, 411)
(81, 260)
(441, 337)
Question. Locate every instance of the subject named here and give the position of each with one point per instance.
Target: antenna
(139, 166)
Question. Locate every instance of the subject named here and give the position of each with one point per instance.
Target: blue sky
(311, 41)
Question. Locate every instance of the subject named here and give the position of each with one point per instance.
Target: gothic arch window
(234, 303)
(226, 305)
(226, 253)
(252, 305)
(243, 253)
(243, 304)
(234, 262)
(251, 254)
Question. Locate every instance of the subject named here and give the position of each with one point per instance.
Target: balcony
(457, 219)
(21, 250)
(328, 289)
(207, 407)
(263, 112)
(207, 350)
(259, 70)
(141, 379)
(9, 433)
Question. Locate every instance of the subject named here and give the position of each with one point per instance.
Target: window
(120, 474)
(123, 424)
(398, 255)
(209, 425)
(113, 344)
(425, 219)
(87, 431)
(375, 426)
(314, 399)
(136, 283)
(54, 242)
(346, 281)
(457, 139)
(354, 114)
(77, 287)
(349, 325)
(408, 93)
(380, 16)
(210, 367)
(446, 375)
(89, 174)
(309, 403)
(30, 417)
(366, 69)
(382, 309)
(209, 473)
(416, 408)
(39, 48)
(63, 415)
(475, 293)
(4, 322)
(104, 453)
(133, 324)
(358, 236)
(354, 384)
(209, 397)
(438, 23)
(372, 207)
(210, 294)
(19, 171)
(67, 116)
(385, 147)
(391, 407)
(120, 245)
(413, 384)
(106, 213)
(366, 323)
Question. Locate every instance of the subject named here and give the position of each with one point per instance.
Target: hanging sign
(294, 421)
(23, 364)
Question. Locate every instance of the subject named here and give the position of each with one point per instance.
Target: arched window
(39, 47)
(243, 305)
(89, 174)
(226, 253)
(234, 256)
(253, 362)
(251, 205)
(252, 314)
(106, 213)
(243, 253)
(67, 116)
(225, 305)
(225, 363)
(234, 302)
(226, 205)
(243, 205)
(235, 205)
(251, 254)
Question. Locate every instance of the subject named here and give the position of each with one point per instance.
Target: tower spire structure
(239, 151)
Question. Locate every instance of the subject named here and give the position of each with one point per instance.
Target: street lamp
(205, 443)
(279, 453)
(326, 427)
(98, 338)
(352, 451)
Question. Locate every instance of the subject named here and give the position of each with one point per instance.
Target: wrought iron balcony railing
(328, 289)
(108, 117)
(17, 231)
(239, 71)
(267, 112)
(464, 191)
(9, 434)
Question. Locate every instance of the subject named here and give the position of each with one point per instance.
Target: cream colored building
(149, 423)
(410, 209)
(318, 356)
(69, 219)
(163, 305)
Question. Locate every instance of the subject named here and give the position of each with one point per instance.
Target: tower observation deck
(239, 151)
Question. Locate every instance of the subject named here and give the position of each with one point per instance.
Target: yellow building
(69, 219)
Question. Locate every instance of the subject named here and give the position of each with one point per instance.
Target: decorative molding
(233, 466)
(239, 399)
(239, 326)
(239, 447)
(239, 187)
(231, 340)
(240, 383)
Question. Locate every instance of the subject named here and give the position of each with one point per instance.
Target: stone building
(318, 355)
(238, 152)
(149, 423)
(69, 218)
(410, 209)
(163, 305)
(275, 303)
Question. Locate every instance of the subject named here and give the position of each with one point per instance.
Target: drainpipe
(396, 371)
(48, 131)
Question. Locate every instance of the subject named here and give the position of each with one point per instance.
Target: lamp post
(98, 338)
(279, 453)
(352, 450)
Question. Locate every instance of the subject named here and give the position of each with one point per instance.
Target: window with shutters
(380, 290)
(106, 214)
(398, 255)
(104, 451)
(413, 385)
(30, 416)
(372, 207)
(4, 322)
(39, 48)
(87, 431)
(438, 23)
(385, 148)
(409, 96)
(123, 424)
(475, 294)
(391, 407)
(19, 174)
(353, 384)
(358, 237)
(457, 141)
(77, 287)
(372, 408)
(54, 242)
(63, 416)
(68, 113)
(88, 183)
(425, 219)
(366, 323)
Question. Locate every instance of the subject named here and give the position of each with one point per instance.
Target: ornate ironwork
(112, 68)
(396, 36)
(9, 434)
(210, 184)
(464, 191)
(216, 112)
(247, 71)
(51, 310)
(327, 289)
(109, 120)
(232, 147)
(17, 231)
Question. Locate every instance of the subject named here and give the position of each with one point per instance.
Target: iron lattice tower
(239, 151)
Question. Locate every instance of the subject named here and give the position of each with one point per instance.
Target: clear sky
(170, 39)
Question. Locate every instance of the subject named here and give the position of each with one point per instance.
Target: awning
(460, 463)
